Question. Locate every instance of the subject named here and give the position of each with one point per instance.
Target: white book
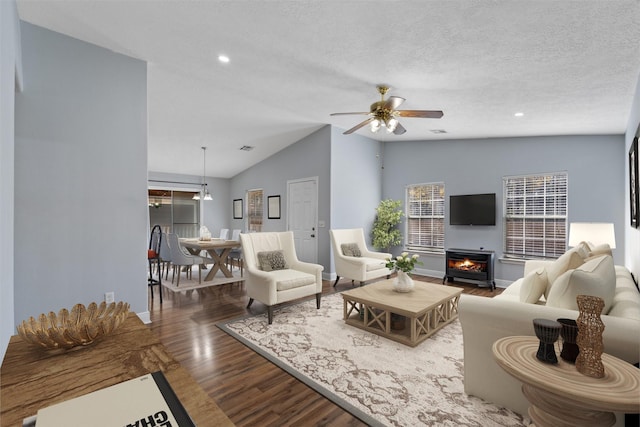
(146, 401)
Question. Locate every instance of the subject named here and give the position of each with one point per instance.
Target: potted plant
(385, 231)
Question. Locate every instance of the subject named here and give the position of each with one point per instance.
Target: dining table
(218, 250)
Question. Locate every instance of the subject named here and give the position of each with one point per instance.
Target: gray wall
(10, 78)
(309, 157)
(217, 212)
(356, 184)
(80, 175)
(593, 163)
(356, 180)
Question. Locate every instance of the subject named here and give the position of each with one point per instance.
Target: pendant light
(204, 193)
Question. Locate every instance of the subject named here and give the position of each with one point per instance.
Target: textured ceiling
(569, 66)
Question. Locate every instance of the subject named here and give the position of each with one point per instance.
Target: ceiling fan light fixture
(196, 196)
(391, 125)
(385, 113)
(207, 195)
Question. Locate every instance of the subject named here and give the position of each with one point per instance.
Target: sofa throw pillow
(595, 277)
(569, 260)
(533, 286)
(350, 249)
(603, 249)
(583, 249)
(271, 260)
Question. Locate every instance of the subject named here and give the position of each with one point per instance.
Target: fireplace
(470, 264)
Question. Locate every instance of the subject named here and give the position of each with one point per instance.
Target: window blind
(254, 210)
(535, 215)
(425, 217)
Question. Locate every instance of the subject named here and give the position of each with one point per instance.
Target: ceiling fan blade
(359, 125)
(344, 114)
(425, 114)
(393, 102)
(399, 130)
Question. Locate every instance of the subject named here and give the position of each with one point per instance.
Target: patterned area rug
(382, 382)
(191, 284)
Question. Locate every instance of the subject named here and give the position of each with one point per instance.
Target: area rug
(379, 381)
(191, 284)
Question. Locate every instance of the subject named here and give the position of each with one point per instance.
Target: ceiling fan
(384, 113)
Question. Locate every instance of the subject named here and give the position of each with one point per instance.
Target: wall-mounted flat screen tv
(472, 209)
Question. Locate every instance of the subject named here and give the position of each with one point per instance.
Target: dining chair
(153, 257)
(165, 257)
(224, 233)
(236, 254)
(181, 258)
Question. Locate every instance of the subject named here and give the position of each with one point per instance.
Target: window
(425, 217)
(535, 215)
(175, 212)
(254, 210)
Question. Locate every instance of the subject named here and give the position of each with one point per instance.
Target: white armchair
(273, 272)
(361, 264)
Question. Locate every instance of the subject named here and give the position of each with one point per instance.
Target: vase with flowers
(403, 264)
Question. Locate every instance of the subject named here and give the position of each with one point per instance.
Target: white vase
(403, 282)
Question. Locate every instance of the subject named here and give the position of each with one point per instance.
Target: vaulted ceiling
(569, 66)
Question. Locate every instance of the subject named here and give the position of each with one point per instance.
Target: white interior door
(302, 214)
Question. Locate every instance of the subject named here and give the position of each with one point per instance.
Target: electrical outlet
(109, 297)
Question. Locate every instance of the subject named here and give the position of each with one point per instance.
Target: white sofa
(484, 320)
(353, 259)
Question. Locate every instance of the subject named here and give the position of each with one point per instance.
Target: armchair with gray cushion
(273, 273)
(354, 260)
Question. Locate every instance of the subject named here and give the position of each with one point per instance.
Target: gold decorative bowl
(82, 326)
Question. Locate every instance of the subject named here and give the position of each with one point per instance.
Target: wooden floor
(248, 388)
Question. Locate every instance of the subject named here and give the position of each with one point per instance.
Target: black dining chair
(153, 257)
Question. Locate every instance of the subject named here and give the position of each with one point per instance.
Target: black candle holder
(547, 332)
(569, 334)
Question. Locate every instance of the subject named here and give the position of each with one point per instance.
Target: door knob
(313, 235)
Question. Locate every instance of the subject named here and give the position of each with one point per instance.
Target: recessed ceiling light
(519, 114)
(223, 58)
(438, 131)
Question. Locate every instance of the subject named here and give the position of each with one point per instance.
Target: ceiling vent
(246, 148)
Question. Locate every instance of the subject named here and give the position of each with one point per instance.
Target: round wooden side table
(562, 396)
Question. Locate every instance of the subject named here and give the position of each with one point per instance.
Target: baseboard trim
(329, 276)
(500, 283)
(145, 316)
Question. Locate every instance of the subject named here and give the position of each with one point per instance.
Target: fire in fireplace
(471, 265)
(468, 265)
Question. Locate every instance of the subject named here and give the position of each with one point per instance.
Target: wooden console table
(560, 395)
(33, 378)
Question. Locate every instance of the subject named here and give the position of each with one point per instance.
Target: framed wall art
(634, 187)
(237, 209)
(273, 207)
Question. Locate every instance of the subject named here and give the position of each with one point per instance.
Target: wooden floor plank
(249, 389)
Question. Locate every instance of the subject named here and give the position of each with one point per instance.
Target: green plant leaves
(385, 232)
